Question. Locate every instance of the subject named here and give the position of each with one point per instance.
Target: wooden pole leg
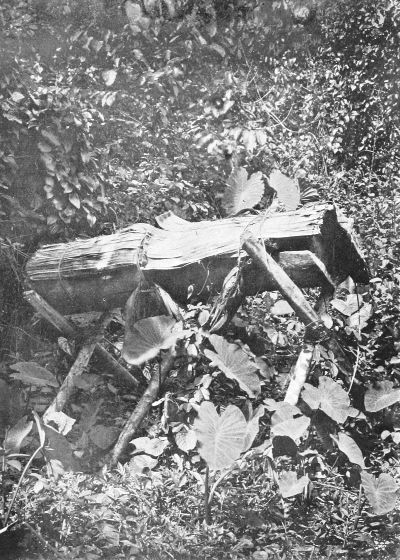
(51, 315)
(286, 286)
(142, 408)
(68, 386)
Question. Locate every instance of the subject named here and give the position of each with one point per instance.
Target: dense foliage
(112, 114)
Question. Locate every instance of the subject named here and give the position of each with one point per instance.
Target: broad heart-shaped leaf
(58, 448)
(147, 337)
(151, 446)
(281, 307)
(241, 192)
(348, 446)
(381, 396)
(290, 485)
(33, 374)
(16, 435)
(287, 190)
(381, 492)
(186, 440)
(359, 320)
(329, 397)
(221, 438)
(235, 363)
(288, 421)
(348, 306)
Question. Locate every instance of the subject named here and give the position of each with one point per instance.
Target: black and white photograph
(199, 279)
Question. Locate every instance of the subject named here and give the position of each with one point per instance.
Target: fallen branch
(142, 408)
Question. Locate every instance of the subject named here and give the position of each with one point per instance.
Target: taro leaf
(186, 440)
(109, 77)
(220, 438)
(359, 320)
(74, 199)
(287, 190)
(347, 306)
(381, 492)
(33, 374)
(288, 421)
(147, 337)
(396, 437)
(15, 465)
(284, 446)
(281, 307)
(329, 397)
(43, 147)
(59, 449)
(271, 404)
(137, 21)
(16, 435)
(350, 305)
(104, 436)
(381, 396)
(149, 300)
(249, 140)
(51, 137)
(62, 421)
(235, 364)
(241, 192)
(140, 463)
(290, 485)
(348, 446)
(253, 427)
(266, 371)
(110, 533)
(65, 345)
(17, 96)
(151, 446)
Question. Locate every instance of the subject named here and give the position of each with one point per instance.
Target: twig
(354, 369)
(207, 501)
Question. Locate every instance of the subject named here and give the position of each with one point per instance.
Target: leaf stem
(207, 502)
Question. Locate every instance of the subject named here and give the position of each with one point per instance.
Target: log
(101, 273)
